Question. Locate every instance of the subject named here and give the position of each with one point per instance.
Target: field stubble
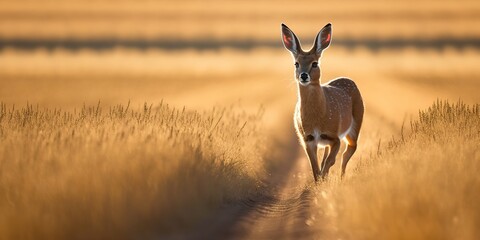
(118, 173)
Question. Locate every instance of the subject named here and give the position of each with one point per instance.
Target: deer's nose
(304, 76)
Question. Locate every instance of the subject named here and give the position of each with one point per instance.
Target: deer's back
(345, 84)
(342, 96)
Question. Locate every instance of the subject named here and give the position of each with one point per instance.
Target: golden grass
(118, 173)
(423, 185)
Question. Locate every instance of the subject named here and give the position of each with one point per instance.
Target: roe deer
(325, 113)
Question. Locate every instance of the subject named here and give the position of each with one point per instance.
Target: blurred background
(204, 53)
(216, 54)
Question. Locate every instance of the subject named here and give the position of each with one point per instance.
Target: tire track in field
(281, 210)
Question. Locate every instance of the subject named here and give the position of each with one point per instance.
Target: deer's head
(307, 69)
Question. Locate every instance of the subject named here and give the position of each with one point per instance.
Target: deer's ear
(323, 39)
(289, 39)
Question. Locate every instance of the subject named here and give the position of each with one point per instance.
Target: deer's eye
(315, 64)
(297, 65)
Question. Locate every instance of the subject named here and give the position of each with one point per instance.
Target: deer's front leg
(334, 148)
(311, 149)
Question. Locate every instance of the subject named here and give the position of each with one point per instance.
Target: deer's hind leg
(349, 151)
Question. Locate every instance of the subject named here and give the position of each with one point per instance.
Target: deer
(325, 114)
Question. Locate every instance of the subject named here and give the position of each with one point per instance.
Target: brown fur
(324, 111)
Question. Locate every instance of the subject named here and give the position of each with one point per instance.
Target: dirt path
(281, 211)
(285, 210)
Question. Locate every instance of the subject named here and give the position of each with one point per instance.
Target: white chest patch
(320, 142)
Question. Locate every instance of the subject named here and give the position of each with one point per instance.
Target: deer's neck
(311, 99)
